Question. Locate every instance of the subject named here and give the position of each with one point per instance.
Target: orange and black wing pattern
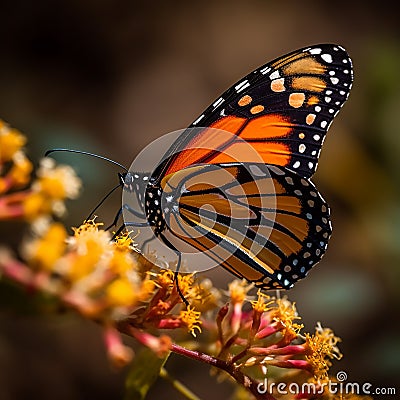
(282, 110)
(261, 222)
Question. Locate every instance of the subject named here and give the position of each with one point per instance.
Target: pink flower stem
(15, 270)
(249, 383)
(11, 205)
(118, 353)
(151, 342)
(275, 350)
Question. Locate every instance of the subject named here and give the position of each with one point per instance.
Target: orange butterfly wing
(261, 222)
(281, 112)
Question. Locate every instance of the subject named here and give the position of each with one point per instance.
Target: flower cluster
(108, 280)
(23, 198)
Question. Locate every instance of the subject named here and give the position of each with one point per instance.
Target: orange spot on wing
(310, 83)
(312, 100)
(310, 119)
(277, 85)
(296, 100)
(245, 100)
(305, 65)
(256, 109)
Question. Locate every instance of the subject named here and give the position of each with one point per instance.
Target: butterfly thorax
(153, 208)
(136, 182)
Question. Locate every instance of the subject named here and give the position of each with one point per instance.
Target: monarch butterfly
(249, 156)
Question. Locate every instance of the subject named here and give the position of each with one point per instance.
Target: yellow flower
(124, 242)
(121, 292)
(21, 170)
(90, 245)
(11, 142)
(44, 252)
(321, 348)
(238, 291)
(185, 283)
(165, 278)
(191, 319)
(122, 263)
(147, 289)
(285, 313)
(262, 303)
(204, 296)
(35, 204)
(57, 182)
(53, 185)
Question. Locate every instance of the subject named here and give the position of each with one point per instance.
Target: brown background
(111, 76)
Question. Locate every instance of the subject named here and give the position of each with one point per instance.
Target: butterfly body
(153, 209)
(235, 184)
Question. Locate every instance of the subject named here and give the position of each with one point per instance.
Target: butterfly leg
(178, 267)
(119, 213)
(123, 226)
(176, 278)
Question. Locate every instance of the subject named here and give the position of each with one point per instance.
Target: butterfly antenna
(102, 201)
(86, 153)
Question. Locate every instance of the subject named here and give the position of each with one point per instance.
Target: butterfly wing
(282, 110)
(261, 222)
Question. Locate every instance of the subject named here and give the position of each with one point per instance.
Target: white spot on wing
(242, 85)
(265, 70)
(316, 51)
(218, 102)
(198, 119)
(274, 75)
(256, 170)
(327, 57)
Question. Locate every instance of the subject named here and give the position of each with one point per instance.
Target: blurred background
(111, 76)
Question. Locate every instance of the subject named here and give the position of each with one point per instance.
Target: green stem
(179, 386)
